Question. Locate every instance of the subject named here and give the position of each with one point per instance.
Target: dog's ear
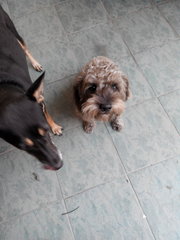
(78, 92)
(127, 92)
(35, 92)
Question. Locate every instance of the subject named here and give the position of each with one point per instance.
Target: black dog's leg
(56, 129)
(11, 27)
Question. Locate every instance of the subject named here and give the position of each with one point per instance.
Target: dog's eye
(29, 142)
(114, 87)
(92, 88)
(42, 131)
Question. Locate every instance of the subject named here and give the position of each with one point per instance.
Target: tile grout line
(87, 28)
(136, 196)
(62, 79)
(168, 93)
(138, 66)
(162, 44)
(36, 9)
(151, 165)
(7, 151)
(93, 187)
(152, 4)
(166, 113)
(140, 70)
(65, 206)
(134, 59)
(167, 21)
(12, 218)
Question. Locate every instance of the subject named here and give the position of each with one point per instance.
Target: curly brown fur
(100, 91)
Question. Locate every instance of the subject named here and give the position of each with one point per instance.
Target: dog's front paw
(88, 126)
(117, 125)
(56, 129)
(36, 65)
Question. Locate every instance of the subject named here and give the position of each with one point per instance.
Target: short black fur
(20, 114)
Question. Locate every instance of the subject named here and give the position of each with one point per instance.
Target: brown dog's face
(101, 94)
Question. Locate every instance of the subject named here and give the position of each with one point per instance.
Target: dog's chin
(103, 116)
(90, 110)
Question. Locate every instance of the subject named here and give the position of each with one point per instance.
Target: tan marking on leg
(37, 66)
(56, 129)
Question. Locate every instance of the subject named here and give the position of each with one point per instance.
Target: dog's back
(13, 66)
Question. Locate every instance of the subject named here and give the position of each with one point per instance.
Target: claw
(37, 66)
(57, 129)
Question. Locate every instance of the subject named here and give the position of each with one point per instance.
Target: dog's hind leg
(37, 66)
(12, 28)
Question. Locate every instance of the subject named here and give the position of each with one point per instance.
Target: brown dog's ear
(35, 92)
(127, 92)
(78, 92)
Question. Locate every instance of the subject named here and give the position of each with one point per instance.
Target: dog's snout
(58, 165)
(55, 167)
(105, 107)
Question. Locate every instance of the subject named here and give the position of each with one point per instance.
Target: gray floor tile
(158, 190)
(20, 191)
(161, 67)
(171, 12)
(80, 14)
(20, 8)
(63, 35)
(57, 58)
(45, 223)
(118, 8)
(160, 1)
(108, 212)
(145, 29)
(171, 104)
(89, 160)
(102, 40)
(148, 136)
(24, 228)
(41, 26)
(4, 146)
(60, 103)
(140, 88)
(5, 6)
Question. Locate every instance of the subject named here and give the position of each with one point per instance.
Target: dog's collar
(6, 79)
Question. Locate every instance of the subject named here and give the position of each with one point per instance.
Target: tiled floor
(124, 186)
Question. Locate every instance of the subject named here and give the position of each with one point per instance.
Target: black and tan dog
(23, 115)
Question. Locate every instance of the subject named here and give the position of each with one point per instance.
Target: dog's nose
(105, 107)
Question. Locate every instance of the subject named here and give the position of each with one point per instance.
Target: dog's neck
(10, 92)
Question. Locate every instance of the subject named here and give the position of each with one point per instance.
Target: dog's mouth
(48, 167)
(105, 112)
(56, 166)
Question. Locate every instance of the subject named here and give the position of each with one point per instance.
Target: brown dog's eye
(92, 88)
(114, 87)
